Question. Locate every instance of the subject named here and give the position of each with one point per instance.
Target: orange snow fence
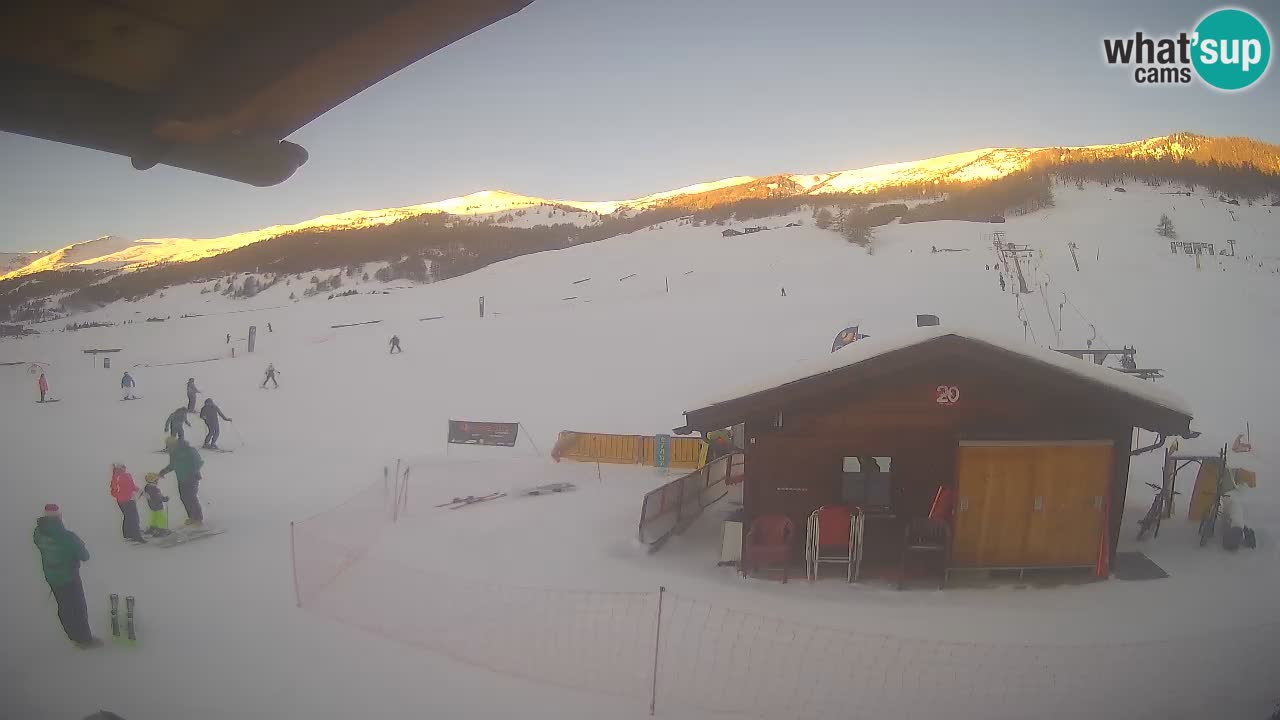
(626, 449)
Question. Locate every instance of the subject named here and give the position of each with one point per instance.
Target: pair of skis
(130, 634)
(461, 502)
(182, 536)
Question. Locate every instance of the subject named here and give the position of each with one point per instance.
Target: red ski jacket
(123, 488)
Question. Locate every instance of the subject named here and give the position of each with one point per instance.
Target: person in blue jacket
(192, 391)
(126, 386)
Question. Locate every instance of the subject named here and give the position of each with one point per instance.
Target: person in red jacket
(43, 385)
(125, 493)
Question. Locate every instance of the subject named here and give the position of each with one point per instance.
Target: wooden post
(293, 560)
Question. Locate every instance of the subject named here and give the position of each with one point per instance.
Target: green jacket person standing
(61, 552)
(185, 464)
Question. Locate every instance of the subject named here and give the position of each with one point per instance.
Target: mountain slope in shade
(507, 208)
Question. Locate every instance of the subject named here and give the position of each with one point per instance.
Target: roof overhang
(212, 86)
(1118, 395)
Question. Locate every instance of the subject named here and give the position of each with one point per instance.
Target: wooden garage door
(1026, 504)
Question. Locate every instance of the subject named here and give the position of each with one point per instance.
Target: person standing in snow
(125, 492)
(61, 552)
(126, 386)
(173, 424)
(269, 328)
(271, 376)
(158, 522)
(210, 413)
(395, 345)
(228, 338)
(43, 386)
(1002, 282)
(185, 464)
(192, 391)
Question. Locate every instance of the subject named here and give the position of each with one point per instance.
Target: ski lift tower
(1013, 250)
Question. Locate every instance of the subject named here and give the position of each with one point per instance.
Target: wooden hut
(1033, 445)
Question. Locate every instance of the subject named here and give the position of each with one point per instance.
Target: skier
(125, 492)
(1002, 282)
(228, 338)
(269, 328)
(173, 424)
(210, 413)
(158, 522)
(395, 344)
(44, 387)
(126, 386)
(192, 391)
(271, 376)
(185, 463)
(61, 552)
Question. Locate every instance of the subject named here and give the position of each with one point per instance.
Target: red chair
(769, 542)
(831, 539)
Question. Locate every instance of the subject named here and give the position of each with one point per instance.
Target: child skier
(124, 491)
(158, 525)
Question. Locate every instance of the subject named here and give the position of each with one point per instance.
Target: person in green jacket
(185, 463)
(61, 552)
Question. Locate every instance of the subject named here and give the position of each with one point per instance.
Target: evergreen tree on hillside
(823, 219)
(1165, 228)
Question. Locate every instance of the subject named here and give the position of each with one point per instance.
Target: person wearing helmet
(192, 391)
(185, 464)
(210, 413)
(124, 491)
(173, 424)
(158, 525)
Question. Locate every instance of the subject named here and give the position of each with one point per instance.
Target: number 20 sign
(947, 395)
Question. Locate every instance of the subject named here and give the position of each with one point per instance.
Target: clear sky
(606, 99)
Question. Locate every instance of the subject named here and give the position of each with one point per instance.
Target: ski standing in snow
(210, 413)
(61, 552)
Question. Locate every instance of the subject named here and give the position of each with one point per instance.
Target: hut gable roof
(1159, 409)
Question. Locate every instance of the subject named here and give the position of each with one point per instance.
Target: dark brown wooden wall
(795, 469)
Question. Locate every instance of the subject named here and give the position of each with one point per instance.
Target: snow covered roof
(873, 347)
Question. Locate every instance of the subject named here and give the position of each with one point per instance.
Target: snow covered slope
(502, 207)
(623, 336)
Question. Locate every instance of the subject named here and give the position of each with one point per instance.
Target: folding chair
(769, 541)
(830, 539)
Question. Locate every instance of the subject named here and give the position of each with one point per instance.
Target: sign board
(465, 432)
(662, 451)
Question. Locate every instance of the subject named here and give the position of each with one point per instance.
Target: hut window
(867, 482)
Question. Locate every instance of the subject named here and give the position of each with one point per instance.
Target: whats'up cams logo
(1229, 50)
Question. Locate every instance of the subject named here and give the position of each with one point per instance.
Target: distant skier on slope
(126, 386)
(43, 386)
(192, 391)
(395, 344)
(61, 552)
(185, 464)
(125, 492)
(210, 413)
(173, 424)
(271, 376)
(1002, 285)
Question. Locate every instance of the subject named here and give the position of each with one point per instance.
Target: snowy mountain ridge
(503, 207)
